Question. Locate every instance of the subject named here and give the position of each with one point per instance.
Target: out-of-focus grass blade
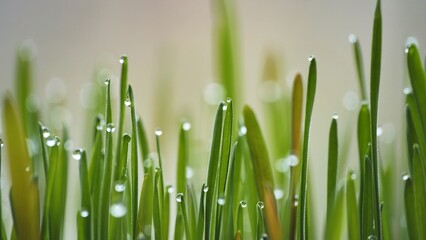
(2, 228)
(356, 46)
(179, 227)
(106, 181)
(134, 163)
(182, 161)
(118, 217)
(419, 187)
(260, 221)
(310, 96)
(336, 223)
(352, 207)
(211, 196)
(191, 206)
(331, 175)
(227, 226)
(240, 220)
(24, 192)
(143, 144)
(410, 209)
(146, 204)
(296, 125)
(416, 120)
(411, 137)
(166, 211)
(84, 215)
(369, 219)
(157, 206)
(201, 213)
(262, 172)
(376, 54)
(43, 151)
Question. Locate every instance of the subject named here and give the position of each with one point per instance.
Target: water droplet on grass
(260, 205)
(189, 172)
(120, 187)
(58, 141)
(84, 213)
(127, 102)
(110, 127)
(118, 210)
(221, 201)
(350, 101)
(279, 193)
(45, 132)
(123, 59)
(27, 169)
(293, 160)
(77, 154)
(179, 197)
(170, 189)
(1, 142)
(353, 176)
(158, 132)
(311, 58)
(225, 107)
(51, 141)
(243, 204)
(186, 126)
(379, 131)
(205, 188)
(107, 81)
(243, 131)
(405, 176)
(407, 90)
(372, 237)
(352, 38)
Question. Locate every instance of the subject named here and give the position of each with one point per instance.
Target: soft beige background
(173, 39)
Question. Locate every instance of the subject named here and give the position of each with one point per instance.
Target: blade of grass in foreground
(24, 192)
(146, 205)
(376, 54)
(419, 187)
(84, 215)
(352, 207)
(337, 221)
(369, 219)
(310, 97)
(410, 208)
(262, 172)
(201, 213)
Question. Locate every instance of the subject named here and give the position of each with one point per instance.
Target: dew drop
(279, 193)
(379, 131)
(281, 165)
(228, 100)
(170, 189)
(350, 101)
(100, 125)
(107, 81)
(84, 213)
(407, 90)
(221, 201)
(147, 163)
(141, 236)
(118, 210)
(1, 142)
(120, 187)
(77, 154)
(352, 38)
(296, 203)
(127, 102)
(27, 169)
(243, 204)
(158, 132)
(372, 237)
(353, 176)
(243, 131)
(189, 172)
(205, 188)
(405, 176)
(186, 126)
(264, 237)
(311, 58)
(293, 160)
(260, 205)
(335, 116)
(224, 107)
(122, 59)
(45, 131)
(58, 141)
(110, 127)
(179, 197)
(51, 141)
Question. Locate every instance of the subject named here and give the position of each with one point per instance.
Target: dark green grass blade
(146, 205)
(182, 207)
(43, 151)
(419, 187)
(157, 207)
(410, 209)
(84, 215)
(24, 193)
(312, 82)
(352, 207)
(260, 221)
(356, 46)
(183, 158)
(369, 218)
(364, 142)
(331, 174)
(134, 164)
(296, 126)
(263, 173)
(416, 120)
(201, 213)
(376, 54)
(240, 219)
(166, 211)
(211, 197)
(143, 144)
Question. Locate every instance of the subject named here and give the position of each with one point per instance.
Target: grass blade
(337, 221)
(158, 205)
(183, 158)
(201, 213)
(84, 215)
(3, 234)
(146, 204)
(24, 192)
(240, 220)
(369, 218)
(419, 188)
(262, 172)
(312, 82)
(352, 207)
(181, 204)
(122, 104)
(356, 46)
(143, 144)
(410, 208)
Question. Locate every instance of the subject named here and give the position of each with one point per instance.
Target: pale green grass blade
(352, 207)
(310, 96)
(369, 218)
(410, 209)
(121, 105)
(364, 142)
(260, 221)
(166, 211)
(376, 54)
(3, 234)
(227, 226)
(263, 173)
(43, 151)
(211, 196)
(333, 147)
(419, 188)
(134, 162)
(118, 210)
(183, 158)
(24, 192)
(157, 206)
(84, 215)
(191, 207)
(411, 137)
(240, 220)
(179, 227)
(146, 204)
(335, 226)
(356, 46)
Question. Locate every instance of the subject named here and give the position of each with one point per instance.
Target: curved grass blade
(310, 97)
(369, 218)
(411, 137)
(376, 54)
(352, 207)
(410, 209)
(332, 175)
(84, 215)
(24, 192)
(356, 46)
(419, 187)
(211, 196)
(262, 172)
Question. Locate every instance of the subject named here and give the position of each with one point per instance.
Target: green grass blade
(352, 207)
(419, 187)
(416, 120)
(166, 211)
(183, 158)
(179, 227)
(134, 163)
(410, 209)
(331, 174)
(262, 172)
(356, 46)
(84, 215)
(369, 218)
(118, 217)
(191, 207)
(158, 205)
(411, 137)
(336, 224)
(310, 96)
(2, 228)
(201, 212)
(24, 192)
(240, 219)
(143, 144)
(182, 207)
(376, 54)
(122, 104)
(211, 196)
(260, 221)
(43, 151)
(146, 204)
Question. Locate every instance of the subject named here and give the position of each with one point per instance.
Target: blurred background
(172, 64)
